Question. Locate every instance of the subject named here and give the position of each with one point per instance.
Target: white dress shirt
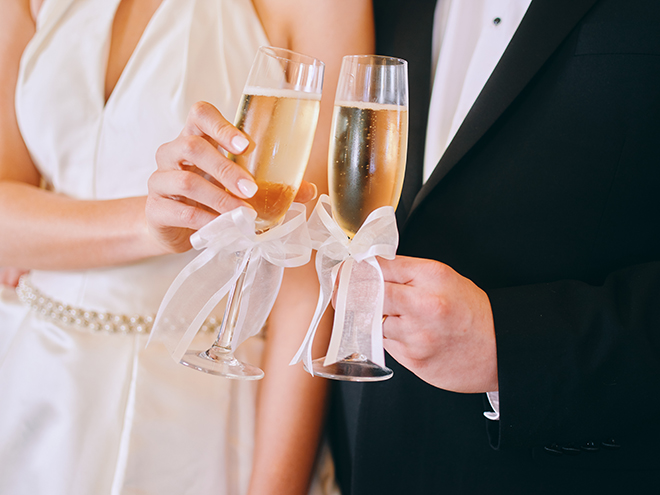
(469, 38)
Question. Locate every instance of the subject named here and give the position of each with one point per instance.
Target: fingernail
(239, 143)
(247, 187)
(316, 192)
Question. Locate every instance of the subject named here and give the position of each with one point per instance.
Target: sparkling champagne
(367, 160)
(280, 125)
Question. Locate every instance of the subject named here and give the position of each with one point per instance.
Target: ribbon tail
(186, 339)
(262, 285)
(326, 270)
(338, 325)
(377, 350)
(357, 329)
(304, 352)
(192, 296)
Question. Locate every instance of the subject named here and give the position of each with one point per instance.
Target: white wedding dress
(87, 411)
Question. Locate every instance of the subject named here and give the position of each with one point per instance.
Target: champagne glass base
(354, 368)
(221, 364)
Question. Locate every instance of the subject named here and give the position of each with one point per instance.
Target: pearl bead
(92, 321)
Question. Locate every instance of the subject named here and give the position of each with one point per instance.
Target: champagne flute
(367, 159)
(278, 112)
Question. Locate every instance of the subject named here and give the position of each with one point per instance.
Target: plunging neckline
(125, 71)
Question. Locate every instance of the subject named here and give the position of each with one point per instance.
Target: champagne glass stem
(219, 358)
(222, 343)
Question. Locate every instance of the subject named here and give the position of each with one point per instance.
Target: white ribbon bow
(230, 244)
(361, 285)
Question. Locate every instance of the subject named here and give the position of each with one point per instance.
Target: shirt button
(497, 20)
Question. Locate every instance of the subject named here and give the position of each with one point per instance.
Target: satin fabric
(95, 414)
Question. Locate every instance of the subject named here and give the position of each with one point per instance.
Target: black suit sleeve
(579, 363)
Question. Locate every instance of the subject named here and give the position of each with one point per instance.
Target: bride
(103, 143)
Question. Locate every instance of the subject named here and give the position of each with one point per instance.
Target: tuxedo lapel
(545, 25)
(405, 29)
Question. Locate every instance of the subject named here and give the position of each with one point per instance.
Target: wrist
(147, 244)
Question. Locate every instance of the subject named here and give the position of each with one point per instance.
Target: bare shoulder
(327, 30)
(319, 26)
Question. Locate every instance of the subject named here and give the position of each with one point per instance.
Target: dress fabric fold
(99, 413)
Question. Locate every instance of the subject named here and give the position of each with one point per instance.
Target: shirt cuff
(494, 399)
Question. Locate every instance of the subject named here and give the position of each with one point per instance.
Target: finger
(397, 299)
(408, 307)
(192, 186)
(307, 192)
(387, 326)
(193, 150)
(416, 272)
(11, 276)
(168, 212)
(400, 270)
(394, 348)
(394, 330)
(206, 120)
(415, 302)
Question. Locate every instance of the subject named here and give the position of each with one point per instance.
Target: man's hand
(439, 325)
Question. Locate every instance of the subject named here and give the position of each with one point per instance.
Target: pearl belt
(92, 321)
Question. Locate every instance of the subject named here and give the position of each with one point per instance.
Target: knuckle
(198, 109)
(149, 207)
(188, 215)
(152, 182)
(224, 202)
(222, 131)
(437, 269)
(189, 145)
(423, 345)
(185, 182)
(224, 171)
(161, 153)
(440, 307)
(434, 306)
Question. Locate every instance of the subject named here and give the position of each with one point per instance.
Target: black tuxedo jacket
(548, 198)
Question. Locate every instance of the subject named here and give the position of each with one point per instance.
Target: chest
(130, 21)
(94, 113)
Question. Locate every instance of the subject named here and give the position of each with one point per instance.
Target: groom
(523, 315)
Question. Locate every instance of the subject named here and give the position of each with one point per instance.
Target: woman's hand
(10, 276)
(195, 181)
